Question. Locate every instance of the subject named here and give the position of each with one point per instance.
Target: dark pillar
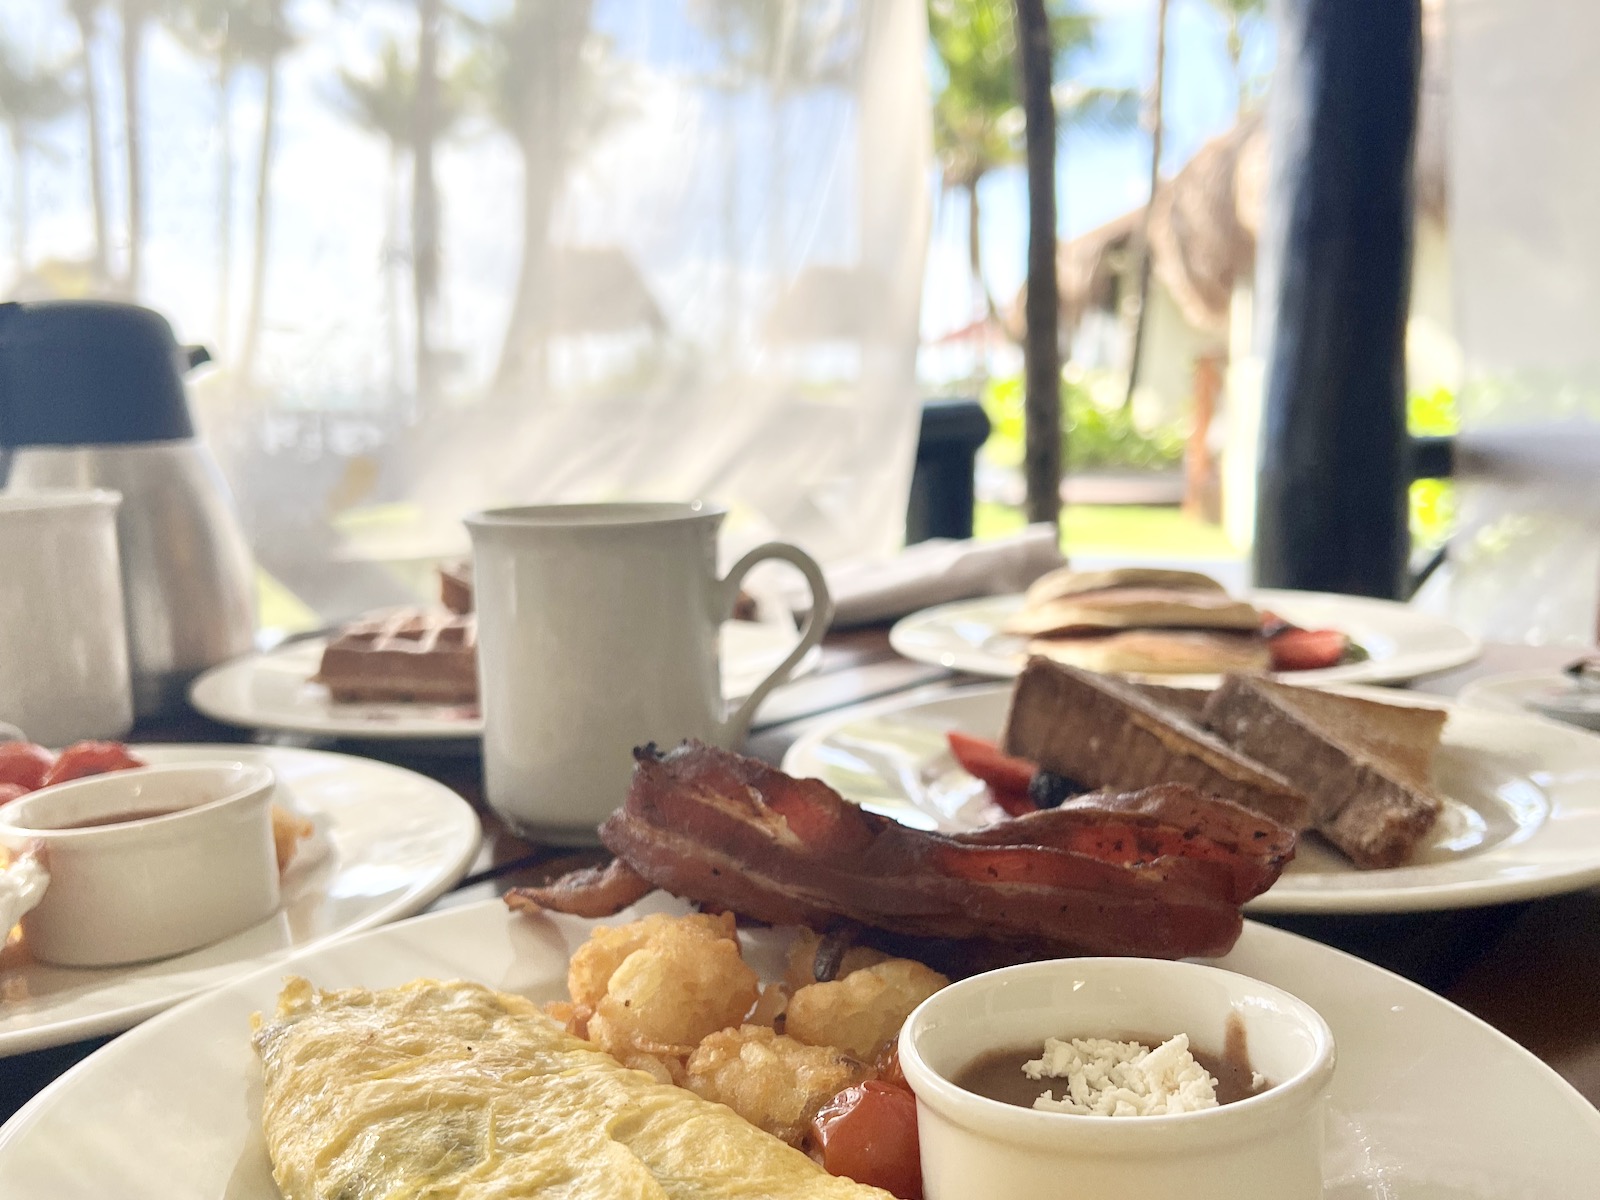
(1331, 507)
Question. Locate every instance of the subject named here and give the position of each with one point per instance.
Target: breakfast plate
(386, 843)
(1522, 816)
(273, 690)
(1428, 1102)
(1400, 643)
(1545, 693)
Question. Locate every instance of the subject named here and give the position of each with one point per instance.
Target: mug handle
(735, 727)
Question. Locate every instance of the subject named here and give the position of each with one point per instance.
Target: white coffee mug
(598, 632)
(63, 634)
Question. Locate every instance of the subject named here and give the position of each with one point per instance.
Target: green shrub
(1093, 437)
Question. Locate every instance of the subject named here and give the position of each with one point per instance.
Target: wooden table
(1530, 969)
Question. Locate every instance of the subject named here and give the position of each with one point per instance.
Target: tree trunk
(425, 200)
(1136, 351)
(91, 103)
(254, 314)
(133, 19)
(1331, 512)
(975, 248)
(224, 203)
(1041, 349)
(541, 135)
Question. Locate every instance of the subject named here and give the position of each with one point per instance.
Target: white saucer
(1428, 1102)
(273, 690)
(1401, 643)
(1540, 693)
(1522, 797)
(387, 843)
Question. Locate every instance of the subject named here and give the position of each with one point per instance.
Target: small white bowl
(1266, 1147)
(144, 889)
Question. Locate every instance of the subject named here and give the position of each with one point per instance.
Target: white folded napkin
(935, 572)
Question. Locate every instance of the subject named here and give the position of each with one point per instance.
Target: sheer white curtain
(454, 254)
(1525, 191)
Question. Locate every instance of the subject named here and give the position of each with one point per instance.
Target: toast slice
(1102, 732)
(1364, 764)
(1064, 581)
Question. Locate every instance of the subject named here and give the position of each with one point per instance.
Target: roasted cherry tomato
(90, 758)
(25, 764)
(1307, 649)
(1007, 777)
(869, 1133)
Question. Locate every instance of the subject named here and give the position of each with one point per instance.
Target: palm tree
(977, 125)
(29, 98)
(210, 29)
(264, 34)
(135, 16)
(548, 98)
(385, 103)
(1142, 244)
(84, 15)
(1238, 14)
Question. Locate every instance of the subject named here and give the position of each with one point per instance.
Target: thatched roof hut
(1205, 219)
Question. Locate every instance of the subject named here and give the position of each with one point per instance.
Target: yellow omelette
(452, 1091)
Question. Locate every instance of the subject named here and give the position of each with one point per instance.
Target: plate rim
(977, 662)
(205, 694)
(1461, 894)
(1260, 940)
(118, 1020)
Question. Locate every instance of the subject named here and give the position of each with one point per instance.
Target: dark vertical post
(1331, 509)
(1041, 347)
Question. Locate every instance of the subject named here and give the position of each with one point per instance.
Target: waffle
(410, 654)
(455, 586)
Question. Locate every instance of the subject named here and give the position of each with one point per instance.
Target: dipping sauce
(999, 1075)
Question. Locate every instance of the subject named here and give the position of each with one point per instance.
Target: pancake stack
(1141, 620)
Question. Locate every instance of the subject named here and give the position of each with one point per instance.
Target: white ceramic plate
(1523, 691)
(1522, 795)
(387, 843)
(274, 690)
(1401, 642)
(1428, 1103)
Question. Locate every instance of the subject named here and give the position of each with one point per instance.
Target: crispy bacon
(596, 891)
(1159, 873)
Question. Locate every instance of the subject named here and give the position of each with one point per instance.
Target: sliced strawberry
(1307, 649)
(1007, 777)
(25, 764)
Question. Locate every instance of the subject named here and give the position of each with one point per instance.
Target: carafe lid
(90, 372)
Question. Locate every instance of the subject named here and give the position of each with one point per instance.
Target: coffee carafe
(92, 396)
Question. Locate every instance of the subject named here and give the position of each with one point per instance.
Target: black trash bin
(942, 484)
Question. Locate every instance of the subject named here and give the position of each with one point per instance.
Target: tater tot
(801, 967)
(594, 962)
(862, 1012)
(675, 990)
(770, 1080)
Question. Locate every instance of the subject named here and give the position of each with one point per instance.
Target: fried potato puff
(862, 1012)
(771, 1080)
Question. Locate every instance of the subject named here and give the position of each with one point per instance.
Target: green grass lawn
(1107, 528)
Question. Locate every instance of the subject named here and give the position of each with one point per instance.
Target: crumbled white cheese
(1122, 1079)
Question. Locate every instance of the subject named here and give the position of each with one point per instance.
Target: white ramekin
(1267, 1147)
(151, 888)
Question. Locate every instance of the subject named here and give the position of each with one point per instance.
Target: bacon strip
(597, 891)
(1169, 867)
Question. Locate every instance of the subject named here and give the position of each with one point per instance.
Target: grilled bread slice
(1102, 732)
(1364, 764)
